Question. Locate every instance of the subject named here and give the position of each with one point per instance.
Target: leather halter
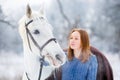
(40, 48)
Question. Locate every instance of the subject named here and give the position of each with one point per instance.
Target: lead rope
(55, 78)
(40, 72)
(41, 66)
(27, 76)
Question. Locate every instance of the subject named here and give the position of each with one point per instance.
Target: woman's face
(75, 41)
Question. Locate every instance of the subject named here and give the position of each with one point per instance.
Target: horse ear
(42, 9)
(28, 11)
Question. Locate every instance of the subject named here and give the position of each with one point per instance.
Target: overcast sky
(9, 6)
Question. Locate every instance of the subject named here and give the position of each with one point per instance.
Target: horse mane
(104, 68)
(104, 71)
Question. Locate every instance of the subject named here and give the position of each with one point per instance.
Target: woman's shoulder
(93, 57)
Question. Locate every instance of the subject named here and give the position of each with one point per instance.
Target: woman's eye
(76, 38)
(36, 32)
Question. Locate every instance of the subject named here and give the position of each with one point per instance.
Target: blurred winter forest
(101, 19)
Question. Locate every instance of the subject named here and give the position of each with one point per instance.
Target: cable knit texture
(76, 70)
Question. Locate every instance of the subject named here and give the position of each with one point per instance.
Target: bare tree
(70, 24)
(62, 12)
(2, 19)
(7, 22)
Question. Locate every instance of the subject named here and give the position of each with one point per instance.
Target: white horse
(42, 53)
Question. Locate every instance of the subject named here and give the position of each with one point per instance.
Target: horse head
(38, 39)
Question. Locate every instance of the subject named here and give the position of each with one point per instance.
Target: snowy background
(101, 18)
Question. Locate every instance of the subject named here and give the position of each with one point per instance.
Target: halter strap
(28, 23)
(37, 45)
(52, 39)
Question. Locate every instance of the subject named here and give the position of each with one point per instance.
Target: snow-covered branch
(62, 12)
(7, 22)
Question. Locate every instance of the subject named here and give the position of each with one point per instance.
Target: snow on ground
(11, 66)
(114, 60)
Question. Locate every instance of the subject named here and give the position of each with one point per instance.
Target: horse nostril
(58, 57)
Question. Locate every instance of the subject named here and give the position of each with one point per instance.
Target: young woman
(81, 64)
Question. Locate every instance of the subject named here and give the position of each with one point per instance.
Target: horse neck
(46, 72)
(32, 66)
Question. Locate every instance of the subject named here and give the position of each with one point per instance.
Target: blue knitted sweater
(76, 70)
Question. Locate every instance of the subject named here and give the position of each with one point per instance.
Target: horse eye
(36, 32)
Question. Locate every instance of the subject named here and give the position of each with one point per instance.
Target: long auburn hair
(85, 46)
